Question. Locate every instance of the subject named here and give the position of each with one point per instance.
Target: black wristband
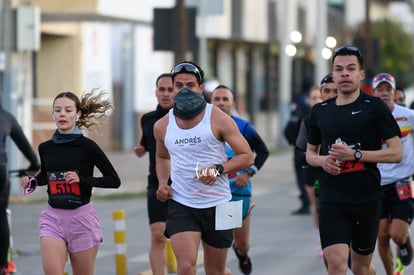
(250, 171)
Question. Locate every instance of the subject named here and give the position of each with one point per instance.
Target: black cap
(327, 79)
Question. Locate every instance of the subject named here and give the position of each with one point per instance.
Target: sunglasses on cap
(31, 187)
(383, 77)
(327, 79)
(347, 49)
(187, 68)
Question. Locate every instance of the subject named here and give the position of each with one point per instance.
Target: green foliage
(396, 51)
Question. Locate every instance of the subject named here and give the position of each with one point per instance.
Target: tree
(396, 54)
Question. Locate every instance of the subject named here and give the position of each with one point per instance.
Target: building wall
(58, 63)
(240, 62)
(57, 68)
(53, 6)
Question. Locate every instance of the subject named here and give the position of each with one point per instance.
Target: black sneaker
(245, 264)
(304, 210)
(406, 252)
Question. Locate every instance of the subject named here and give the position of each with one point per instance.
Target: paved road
(281, 243)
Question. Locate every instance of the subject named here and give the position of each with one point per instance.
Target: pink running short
(79, 228)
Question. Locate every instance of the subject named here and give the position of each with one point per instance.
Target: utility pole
(7, 95)
(181, 31)
(285, 71)
(5, 48)
(321, 26)
(202, 39)
(367, 36)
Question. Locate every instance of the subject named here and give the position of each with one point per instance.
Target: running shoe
(11, 267)
(245, 264)
(304, 210)
(320, 253)
(399, 267)
(406, 252)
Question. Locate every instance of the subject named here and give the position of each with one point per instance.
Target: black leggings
(4, 225)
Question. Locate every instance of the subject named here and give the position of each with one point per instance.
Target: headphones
(77, 118)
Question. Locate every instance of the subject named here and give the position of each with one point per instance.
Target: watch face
(250, 171)
(358, 155)
(219, 168)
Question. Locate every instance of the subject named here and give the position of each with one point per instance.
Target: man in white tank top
(191, 150)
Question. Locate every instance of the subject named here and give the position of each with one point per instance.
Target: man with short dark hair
(399, 96)
(240, 182)
(191, 149)
(345, 139)
(157, 210)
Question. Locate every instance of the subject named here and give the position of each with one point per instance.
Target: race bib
(403, 188)
(231, 175)
(229, 215)
(351, 166)
(58, 185)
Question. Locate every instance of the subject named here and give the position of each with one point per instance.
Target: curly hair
(93, 106)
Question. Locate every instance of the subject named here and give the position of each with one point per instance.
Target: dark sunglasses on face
(187, 68)
(31, 187)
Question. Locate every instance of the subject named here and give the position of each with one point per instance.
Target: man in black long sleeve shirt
(157, 210)
(10, 127)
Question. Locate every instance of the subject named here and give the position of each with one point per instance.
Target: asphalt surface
(280, 242)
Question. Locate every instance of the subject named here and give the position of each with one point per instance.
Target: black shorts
(157, 210)
(394, 208)
(309, 174)
(352, 224)
(182, 218)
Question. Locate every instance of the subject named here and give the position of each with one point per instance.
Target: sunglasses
(31, 187)
(383, 77)
(327, 79)
(187, 68)
(347, 49)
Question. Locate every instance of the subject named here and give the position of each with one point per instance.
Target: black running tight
(4, 225)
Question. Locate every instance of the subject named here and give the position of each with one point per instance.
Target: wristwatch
(219, 169)
(250, 171)
(357, 154)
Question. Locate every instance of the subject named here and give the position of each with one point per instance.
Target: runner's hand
(164, 192)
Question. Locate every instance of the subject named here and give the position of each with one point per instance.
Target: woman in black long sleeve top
(69, 224)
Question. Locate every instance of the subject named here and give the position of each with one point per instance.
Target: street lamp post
(181, 19)
(285, 73)
(321, 25)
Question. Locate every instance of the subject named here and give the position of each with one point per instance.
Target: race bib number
(403, 188)
(351, 166)
(231, 175)
(58, 185)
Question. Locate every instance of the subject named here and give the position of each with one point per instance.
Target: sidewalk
(133, 172)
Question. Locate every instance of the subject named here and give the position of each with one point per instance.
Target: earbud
(77, 118)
